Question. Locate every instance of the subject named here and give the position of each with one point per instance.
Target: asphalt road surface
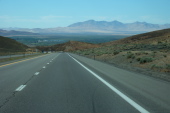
(68, 83)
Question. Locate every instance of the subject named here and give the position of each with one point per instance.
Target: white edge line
(21, 87)
(126, 98)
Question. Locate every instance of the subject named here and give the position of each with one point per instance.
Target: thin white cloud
(42, 21)
(53, 17)
(49, 18)
(7, 18)
(4, 17)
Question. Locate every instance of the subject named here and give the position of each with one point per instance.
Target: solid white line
(36, 73)
(20, 88)
(126, 98)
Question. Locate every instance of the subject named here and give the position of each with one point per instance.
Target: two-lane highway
(68, 83)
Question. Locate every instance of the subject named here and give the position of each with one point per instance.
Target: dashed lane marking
(36, 73)
(20, 88)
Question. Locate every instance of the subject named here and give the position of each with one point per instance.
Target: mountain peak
(99, 27)
(90, 21)
(116, 26)
(116, 21)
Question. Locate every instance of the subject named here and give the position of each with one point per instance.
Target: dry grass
(17, 58)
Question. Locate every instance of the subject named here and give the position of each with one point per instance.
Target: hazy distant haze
(92, 26)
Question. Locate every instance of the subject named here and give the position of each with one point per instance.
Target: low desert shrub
(138, 59)
(146, 60)
(165, 55)
(130, 55)
(116, 52)
(167, 66)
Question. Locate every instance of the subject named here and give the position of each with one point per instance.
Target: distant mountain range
(13, 32)
(100, 27)
(116, 26)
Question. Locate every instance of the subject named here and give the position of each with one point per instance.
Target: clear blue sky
(61, 13)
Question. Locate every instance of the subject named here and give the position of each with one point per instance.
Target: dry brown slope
(9, 45)
(153, 37)
(69, 46)
(74, 45)
(147, 53)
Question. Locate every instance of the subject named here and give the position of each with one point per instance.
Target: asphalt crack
(93, 97)
(8, 99)
(15, 92)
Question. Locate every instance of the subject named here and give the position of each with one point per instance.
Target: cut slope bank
(148, 53)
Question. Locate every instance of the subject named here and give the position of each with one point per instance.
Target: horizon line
(78, 22)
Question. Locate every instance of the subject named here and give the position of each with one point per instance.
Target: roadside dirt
(157, 63)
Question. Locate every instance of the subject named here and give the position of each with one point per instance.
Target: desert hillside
(10, 45)
(69, 46)
(154, 37)
(148, 53)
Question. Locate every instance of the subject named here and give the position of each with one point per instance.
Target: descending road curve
(68, 83)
